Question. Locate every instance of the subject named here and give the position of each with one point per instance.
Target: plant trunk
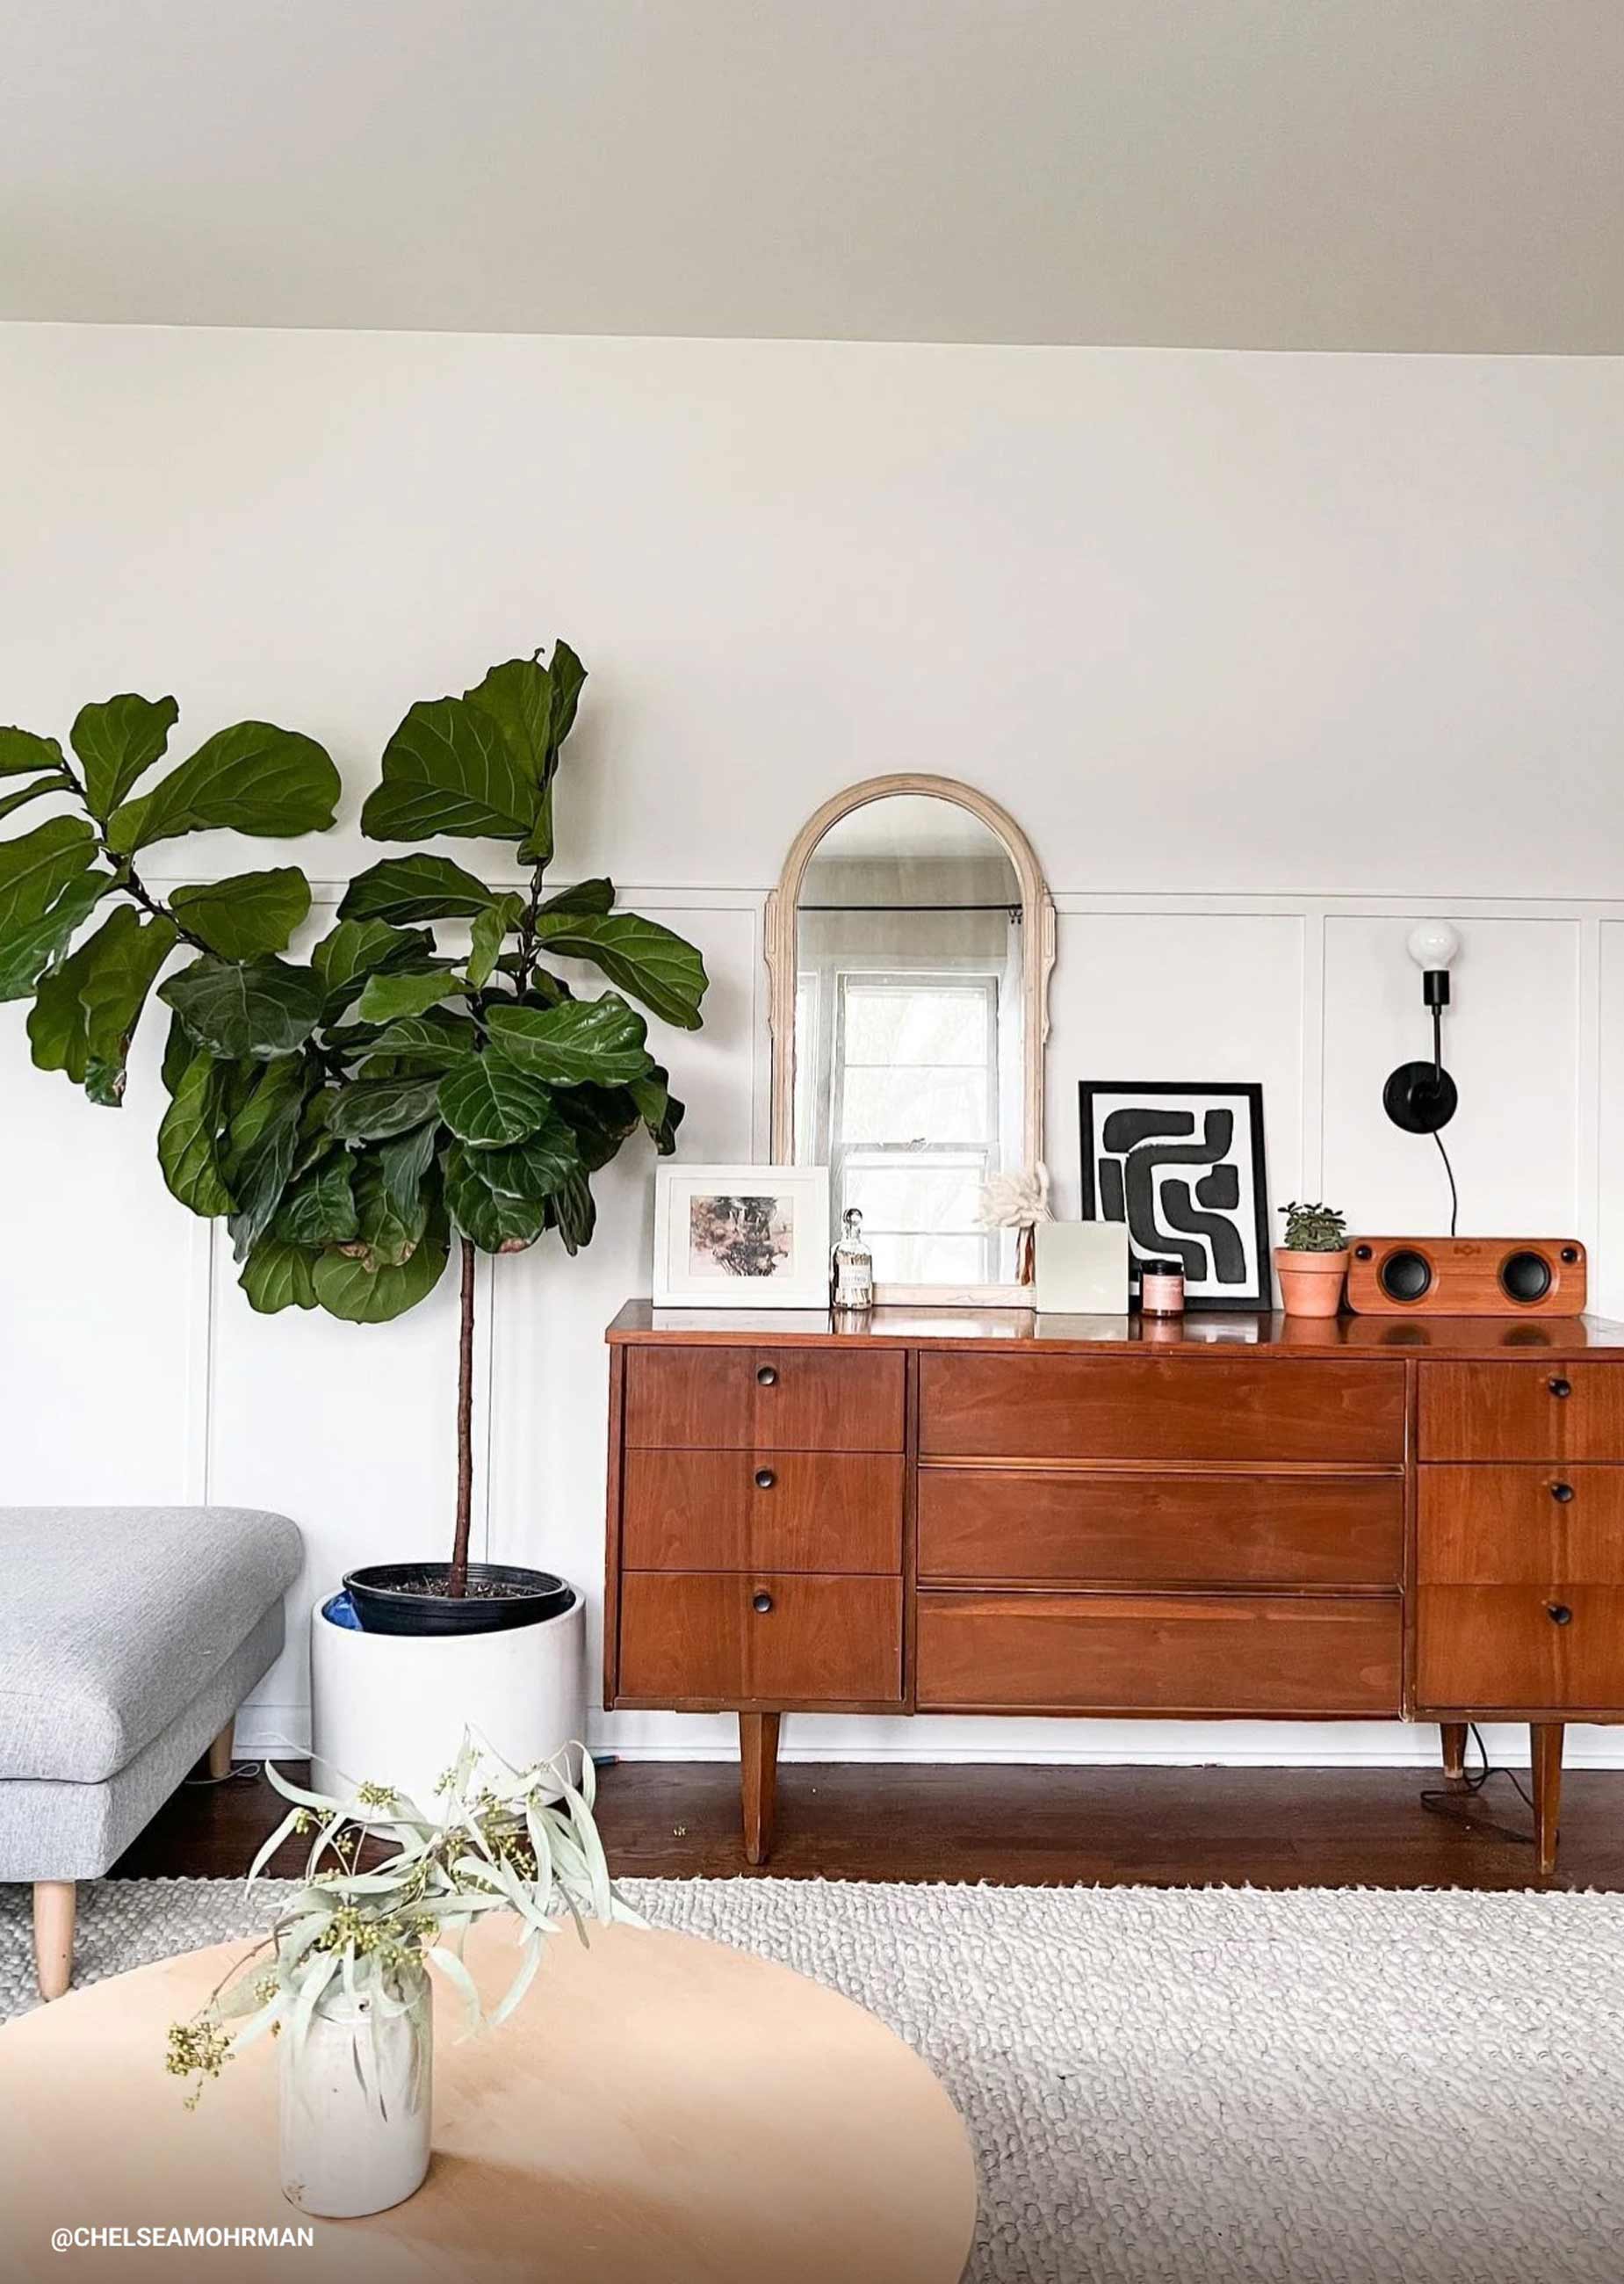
(459, 1581)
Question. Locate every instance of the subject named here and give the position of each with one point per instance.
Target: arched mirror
(908, 946)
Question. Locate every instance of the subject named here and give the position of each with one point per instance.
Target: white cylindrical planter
(355, 2106)
(393, 1708)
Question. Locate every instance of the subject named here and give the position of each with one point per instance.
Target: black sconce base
(1420, 1098)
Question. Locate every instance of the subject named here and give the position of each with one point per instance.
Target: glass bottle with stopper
(851, 1279)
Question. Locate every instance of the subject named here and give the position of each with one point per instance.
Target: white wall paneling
(1269, 655)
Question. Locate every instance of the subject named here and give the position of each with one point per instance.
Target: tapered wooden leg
(54, 1903)
(219, 1751)
(758, 1763)
(1453, 1735)
(1546, 1741)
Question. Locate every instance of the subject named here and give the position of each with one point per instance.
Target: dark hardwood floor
(1160, 1828)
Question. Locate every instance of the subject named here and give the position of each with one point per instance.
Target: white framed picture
(741, 1236)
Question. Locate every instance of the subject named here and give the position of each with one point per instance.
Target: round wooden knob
(765, 1479)
(1562, 1493)
(1560, 1387)
(760, 1603)
(1558, 1613)
(767, 1375)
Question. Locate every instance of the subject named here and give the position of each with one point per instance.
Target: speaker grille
(1406, 1275)
(1525, 1277)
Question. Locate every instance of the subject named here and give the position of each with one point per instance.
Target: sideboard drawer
(1169, 1529)
(694, 1636)
(1510, 1525)
(1492, 1646)
(764, 1399)
(755, 1510)
(1521, 1412)
(1344, 1411)
(1227, 1653)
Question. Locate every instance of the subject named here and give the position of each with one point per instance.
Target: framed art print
(741, 1236)
(1182, 1164)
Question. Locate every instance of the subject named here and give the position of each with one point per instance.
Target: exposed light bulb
(1433, 944)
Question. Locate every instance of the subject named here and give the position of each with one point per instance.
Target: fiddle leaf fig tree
(354, 1112)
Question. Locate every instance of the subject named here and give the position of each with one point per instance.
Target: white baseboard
(283, 1733)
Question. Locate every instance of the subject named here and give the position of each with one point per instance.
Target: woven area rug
(1189, 2087)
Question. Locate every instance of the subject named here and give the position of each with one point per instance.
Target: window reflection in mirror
(908, 1033)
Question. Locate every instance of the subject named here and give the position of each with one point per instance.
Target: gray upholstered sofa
(129, 1637)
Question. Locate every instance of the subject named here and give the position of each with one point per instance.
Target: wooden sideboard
(988, 1511)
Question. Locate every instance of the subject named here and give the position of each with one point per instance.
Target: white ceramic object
(355, 2105)
(391, 1709)
(1082, 1268)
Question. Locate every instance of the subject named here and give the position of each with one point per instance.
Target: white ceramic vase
(355, 2105)
(391, 1709)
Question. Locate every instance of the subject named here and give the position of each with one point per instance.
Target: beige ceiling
(1440, 174)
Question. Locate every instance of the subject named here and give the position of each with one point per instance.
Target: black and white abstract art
(1182, 1165)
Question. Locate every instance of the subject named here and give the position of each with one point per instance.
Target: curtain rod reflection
(1014, 911)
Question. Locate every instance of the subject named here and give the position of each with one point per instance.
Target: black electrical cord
(1441, 1801)
(1455, 1203)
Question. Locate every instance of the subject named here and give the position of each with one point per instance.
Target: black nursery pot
(389, 1598)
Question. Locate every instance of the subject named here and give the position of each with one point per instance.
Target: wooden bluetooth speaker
(1466, 1277)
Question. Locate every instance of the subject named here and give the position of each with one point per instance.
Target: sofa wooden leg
(54, 1904)
(219, 1751)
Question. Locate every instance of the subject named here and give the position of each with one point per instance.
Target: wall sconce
(1421, 1097)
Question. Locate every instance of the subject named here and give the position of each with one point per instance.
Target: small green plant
(502, 1840)
(1314, 1228)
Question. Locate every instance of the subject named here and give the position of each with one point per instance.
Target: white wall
(1267, 653)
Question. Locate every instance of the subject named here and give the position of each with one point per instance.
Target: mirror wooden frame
(1037, 962)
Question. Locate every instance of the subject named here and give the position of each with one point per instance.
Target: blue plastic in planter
(340, 1611)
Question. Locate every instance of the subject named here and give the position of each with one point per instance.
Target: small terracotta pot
(1310, 1283)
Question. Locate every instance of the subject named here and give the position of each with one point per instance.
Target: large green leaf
(117, 740)
(600, 1118)
(421, 1044)
(411, 991)
(252, 777)
(448, 768)
(573, 1213)
(651, 962)
(86, 1010)
(486, 1099)
(566, 674)
(320, 1209)
(21, 753)
(353, 949)
(262, 1007)
(392, 1215)
(595, 895)
(346, 1287)
(37, 866)
(371, 1110)
(188, 1139)
(597, 1040)
(406, 888)
(263, 1137)
(402, 1161)
(518, 697)
(277, 1276)
(490, 930)
(535, 1168)
(494, 1223)
(658, 1107)
(24, 794)
(31, 947)
(251, 913)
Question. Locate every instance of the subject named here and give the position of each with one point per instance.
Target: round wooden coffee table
(659, 2111)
